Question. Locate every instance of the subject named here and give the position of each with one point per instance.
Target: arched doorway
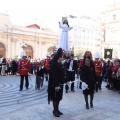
(51, 50)
(2, 50)
(29, 51)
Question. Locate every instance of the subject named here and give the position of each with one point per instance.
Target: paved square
(32, 104)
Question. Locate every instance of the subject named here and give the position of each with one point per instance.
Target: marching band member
(98, 70)
(24, 69)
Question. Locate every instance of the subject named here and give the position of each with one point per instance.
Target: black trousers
(47, 74)
(70, 76)
(39, 82)
(98, 83)
(22, 81)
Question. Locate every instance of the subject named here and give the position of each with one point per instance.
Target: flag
(108, 53)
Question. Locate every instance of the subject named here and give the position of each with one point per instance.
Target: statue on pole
(64, 38)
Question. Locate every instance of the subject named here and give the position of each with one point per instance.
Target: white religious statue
(22, 53)
(64, 38)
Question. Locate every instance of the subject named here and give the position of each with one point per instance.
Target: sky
(49, 12)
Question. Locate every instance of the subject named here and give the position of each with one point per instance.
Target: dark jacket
(57, 74)
(56, 78)
(41, 71)
(14, 66)
(88, 76)
(3, 61)
(75, 66)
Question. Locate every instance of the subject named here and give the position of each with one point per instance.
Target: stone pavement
(32, 104)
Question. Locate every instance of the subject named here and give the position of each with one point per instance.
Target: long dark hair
(66, 23)
(58, 55)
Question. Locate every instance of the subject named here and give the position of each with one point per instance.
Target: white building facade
(87, 34)
(38, 41)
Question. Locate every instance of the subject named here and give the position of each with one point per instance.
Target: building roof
(34, 26)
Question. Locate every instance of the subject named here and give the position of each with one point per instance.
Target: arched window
(2, 50)
(29, 51)
(51, 50)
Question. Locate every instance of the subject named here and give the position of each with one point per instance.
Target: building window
(83, 30)
(114, 17)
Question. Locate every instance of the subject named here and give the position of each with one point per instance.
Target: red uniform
(81, 62)
(24, 67)
(115, 68)
(46, 63)
(98, 68)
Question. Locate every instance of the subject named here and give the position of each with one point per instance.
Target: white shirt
(71, 65)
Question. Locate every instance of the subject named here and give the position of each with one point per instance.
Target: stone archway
(29, 51)
(2, 50)
(50, 50)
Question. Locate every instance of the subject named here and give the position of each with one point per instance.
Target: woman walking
(88, 76)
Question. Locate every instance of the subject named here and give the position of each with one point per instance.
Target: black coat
(14, 66)
(4, 61)
(41, 72)
(56, 78)
(69, 76)
(88, 76)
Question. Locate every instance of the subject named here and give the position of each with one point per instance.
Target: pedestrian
(40, 75)
(56, 81)
(14, 66)
(88, 76)
(4, 65)
(71, 66)
(24, 69)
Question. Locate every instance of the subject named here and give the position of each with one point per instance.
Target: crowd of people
(59, 70)
(110, 70)
(9, 66)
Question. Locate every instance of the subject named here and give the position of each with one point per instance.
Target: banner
(108, 53)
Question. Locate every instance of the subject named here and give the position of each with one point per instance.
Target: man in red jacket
(24, 69)
(98, 70)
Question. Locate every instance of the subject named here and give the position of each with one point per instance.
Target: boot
(55, 109)
(86, 100)
(60, 113)
(55, 114)
(91, 100)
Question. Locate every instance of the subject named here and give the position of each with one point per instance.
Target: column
(9, 52)
(42, 50)
(36, 52)
(13, 44)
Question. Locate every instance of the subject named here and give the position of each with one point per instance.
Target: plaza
(32, 104)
